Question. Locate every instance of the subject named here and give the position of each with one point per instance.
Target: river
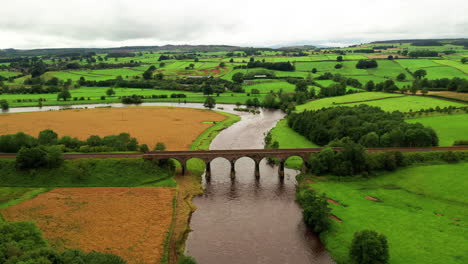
(243, 219)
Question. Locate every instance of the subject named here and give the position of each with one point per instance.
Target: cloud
(85, 23)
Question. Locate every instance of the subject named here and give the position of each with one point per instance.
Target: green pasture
(269, 85)
(8, 74)
(417, 210)
(395, 102)
(449, 128)
(95, 93)
(455, 64)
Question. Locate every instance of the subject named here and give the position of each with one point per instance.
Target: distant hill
(61, 51)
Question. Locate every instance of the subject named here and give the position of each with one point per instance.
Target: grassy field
(395, 102)
(88, 173)
(417, 210)
(267, 86)
(448, 127)
(94, 94)
(288, 138)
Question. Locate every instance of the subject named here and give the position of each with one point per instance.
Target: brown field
(383, 55)
(129, 222)
(463, 96)
(176, 127)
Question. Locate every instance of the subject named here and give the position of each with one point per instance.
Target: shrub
(39, 157)
(144, 148)
(186, 260)
(369, 247)
(47, 137)
(31, 158)
(460, 143)
(4, 104)
(450, 157)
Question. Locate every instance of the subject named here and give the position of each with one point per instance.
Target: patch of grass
(204, 140)
(398, 102)
(14, 195)
(129, 172)
(416, 212)
(449, 128)
(288, 138)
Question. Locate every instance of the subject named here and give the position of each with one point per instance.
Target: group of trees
(368, 125)
(22, 242)
(277, 66)
(14, 142)
(366, 64)
(423, 53)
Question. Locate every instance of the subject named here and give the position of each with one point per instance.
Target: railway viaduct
(232, 155)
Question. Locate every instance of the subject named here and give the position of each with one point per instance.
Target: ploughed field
(176, 127)
(129, 222)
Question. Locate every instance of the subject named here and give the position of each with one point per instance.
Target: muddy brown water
(243, 219)
(247, 219)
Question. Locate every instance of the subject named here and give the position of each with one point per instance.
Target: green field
(416, 212)
(269, 85)
(95, 93)
(448, 127)
(7, 74)
(396, 102)
(88, 173)
(288, 138)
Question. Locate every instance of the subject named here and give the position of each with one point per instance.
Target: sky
(27, 24)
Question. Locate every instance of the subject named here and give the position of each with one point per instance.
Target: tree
(147, 75)
(31, 158)
(464, 60)
(110, 92)
(316, 212)
(159, 76)
(39, 157)
(314, 70)
(47, 137)
(207, 89)
(424, 91)
(338, 66)
(339, 58)
(401, 77)
(238, 77)
(419, 74)
(210, 103)
(143, 148)
(222, 65)
(390, 57)
(370, 86)
(369, 247)
(4, 104)
(160, 146)
(64, 94)
(301, 86)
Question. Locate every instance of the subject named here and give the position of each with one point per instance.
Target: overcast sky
(113, 23)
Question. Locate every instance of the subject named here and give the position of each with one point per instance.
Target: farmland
(413, 204)
(449, 127)
(388, 102)
(143, 123)
(85, 203)
(91, 219)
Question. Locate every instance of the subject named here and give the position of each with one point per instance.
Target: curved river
(243, 219)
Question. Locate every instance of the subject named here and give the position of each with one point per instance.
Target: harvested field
(129, 222)
(176, 127)
(449, 94)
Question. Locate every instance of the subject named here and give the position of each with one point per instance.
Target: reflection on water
(248, 219)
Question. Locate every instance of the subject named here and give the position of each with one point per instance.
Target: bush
(47, 137)
(39, 157)
(460, 143)
(13, 143)
(369, 247)
(450, 157)
(143, 148)
(4, 104)
(186, 260)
